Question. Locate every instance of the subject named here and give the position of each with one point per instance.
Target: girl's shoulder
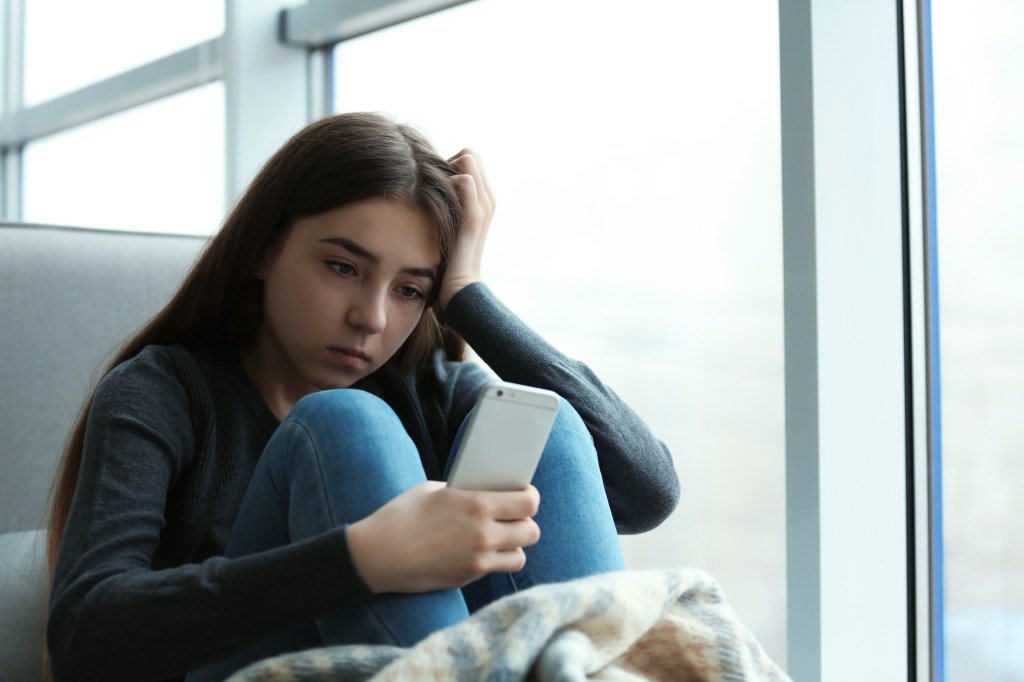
(457, 382)
(159, 390)
(157, 377)
(156, 364)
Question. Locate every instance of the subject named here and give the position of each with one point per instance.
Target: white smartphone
(505, 437)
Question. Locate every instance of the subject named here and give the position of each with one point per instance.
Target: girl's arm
(639, 477)
(112, 616)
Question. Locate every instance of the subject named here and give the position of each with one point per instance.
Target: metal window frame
(929, 580)
(189, 68)
(268, 93)
(860, 341)
(267, 88)
(324, 23)
(11, 23)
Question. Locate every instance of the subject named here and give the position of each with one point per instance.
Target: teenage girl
(261, 469)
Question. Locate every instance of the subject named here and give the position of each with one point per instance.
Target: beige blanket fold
(629, 625)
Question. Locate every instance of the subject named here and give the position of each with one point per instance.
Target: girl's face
(342, 293)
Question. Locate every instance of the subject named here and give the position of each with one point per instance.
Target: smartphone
(505, 437)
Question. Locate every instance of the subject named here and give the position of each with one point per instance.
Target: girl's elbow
(645, 512)
(71, 652)
(60, 650)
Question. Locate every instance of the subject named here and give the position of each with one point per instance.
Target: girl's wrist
(360, 547)
(450, 289)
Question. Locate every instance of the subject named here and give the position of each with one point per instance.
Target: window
(636, 160)
(979, 104)
(158, 167)
(70, 44)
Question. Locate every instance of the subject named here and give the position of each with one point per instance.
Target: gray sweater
(141, 591)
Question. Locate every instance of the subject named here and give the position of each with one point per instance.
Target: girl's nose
(368, 312)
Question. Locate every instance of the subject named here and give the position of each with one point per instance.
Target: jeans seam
(320, 470)
(371, 607)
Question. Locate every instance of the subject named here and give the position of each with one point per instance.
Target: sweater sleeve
(639, 477)
(112, 616)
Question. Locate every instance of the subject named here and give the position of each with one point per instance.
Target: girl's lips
(350, 358)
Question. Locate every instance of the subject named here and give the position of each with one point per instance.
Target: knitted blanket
(630, 625)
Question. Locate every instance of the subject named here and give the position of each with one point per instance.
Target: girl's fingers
(512, 506)
(468, 162)
(467, 166)
(467, 190)
(511, 561)
(464, 152)
(516, 534)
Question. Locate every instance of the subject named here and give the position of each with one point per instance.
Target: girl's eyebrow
(361, 252)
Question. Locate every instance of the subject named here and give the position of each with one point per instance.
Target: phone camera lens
(500, 392)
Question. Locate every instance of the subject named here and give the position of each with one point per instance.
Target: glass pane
(979, 105)
(635, 154)
(157, 167)
(70, 43)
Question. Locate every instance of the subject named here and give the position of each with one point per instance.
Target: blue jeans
(342, 454)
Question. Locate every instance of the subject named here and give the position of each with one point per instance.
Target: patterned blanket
(631, 625)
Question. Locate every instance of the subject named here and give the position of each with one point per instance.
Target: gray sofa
(68, 297)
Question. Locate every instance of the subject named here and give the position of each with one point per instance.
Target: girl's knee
(346, 406)
(570, 437)
(569, 423)
(353, 430)
(347, 421)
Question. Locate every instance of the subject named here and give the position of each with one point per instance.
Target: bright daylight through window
(979, 107)
(636, 161)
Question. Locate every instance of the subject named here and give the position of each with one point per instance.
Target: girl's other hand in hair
(432, 537)
(477, 210)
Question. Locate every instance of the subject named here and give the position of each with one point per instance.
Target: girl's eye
(411, 293)
(341, 268)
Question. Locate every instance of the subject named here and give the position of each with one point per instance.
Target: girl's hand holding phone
(433, 537)
(477, 210)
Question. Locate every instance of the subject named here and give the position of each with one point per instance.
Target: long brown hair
(333, 161)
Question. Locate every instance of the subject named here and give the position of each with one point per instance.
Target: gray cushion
(67, 298)
(22, 604)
